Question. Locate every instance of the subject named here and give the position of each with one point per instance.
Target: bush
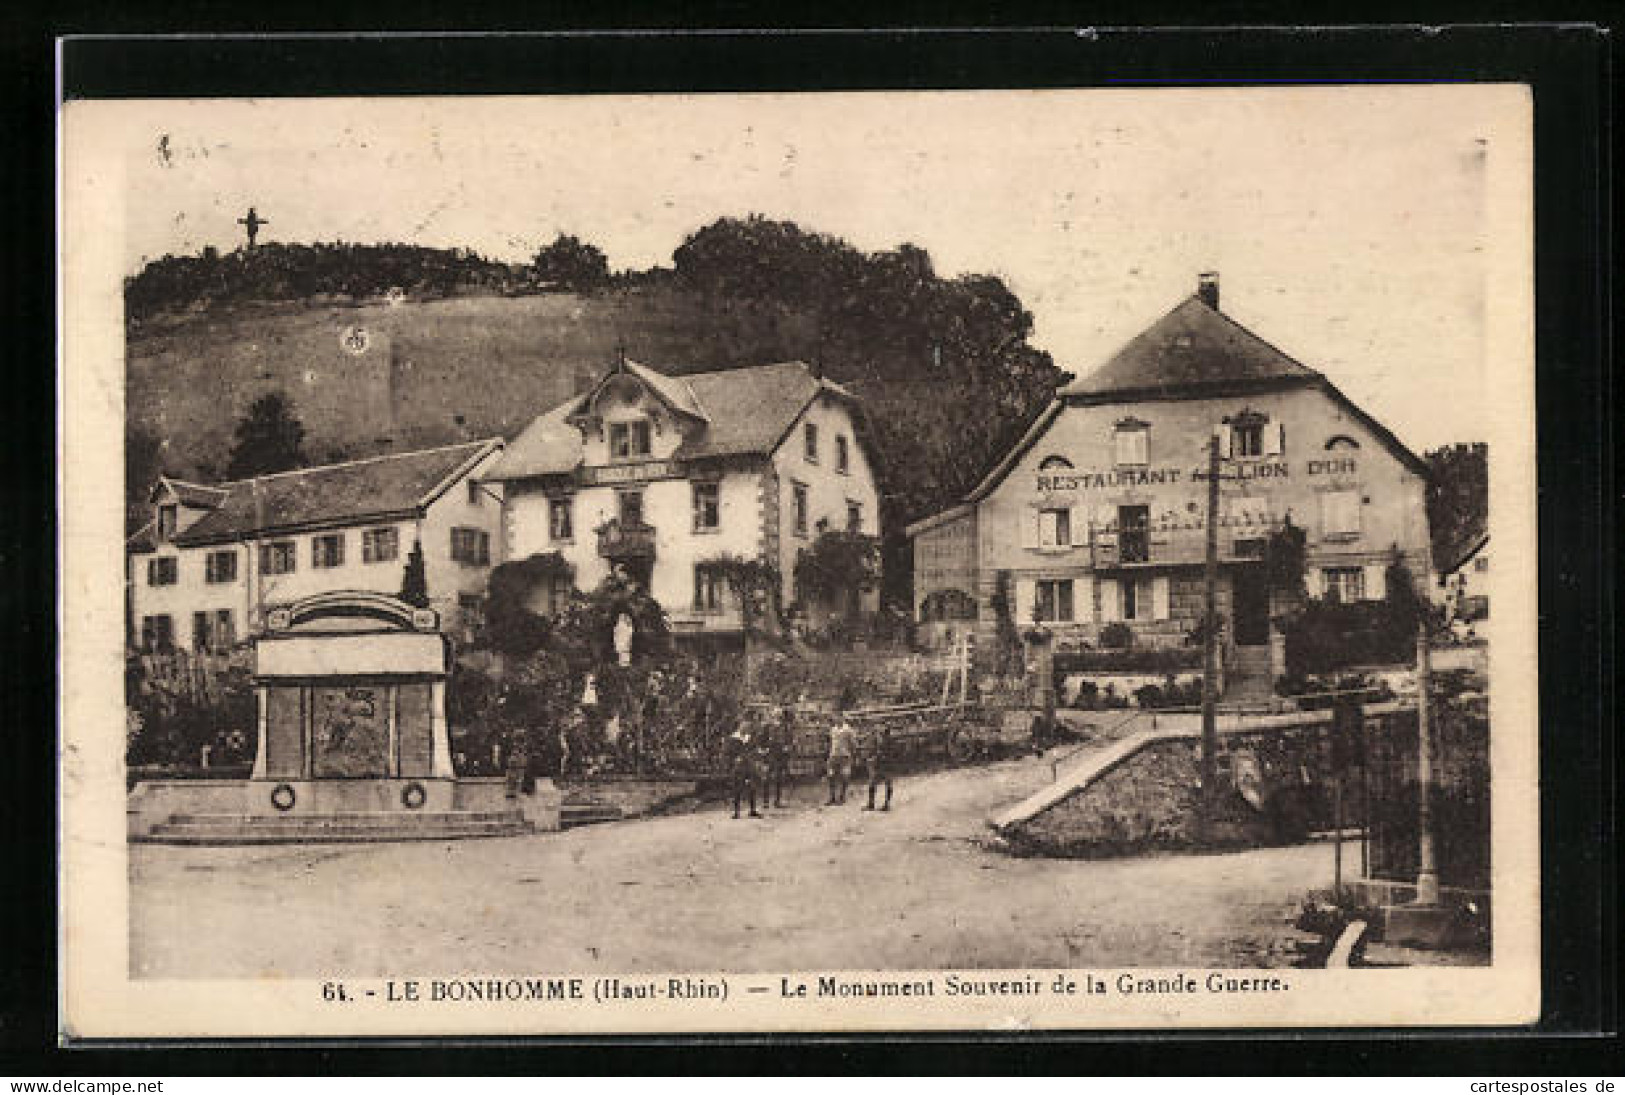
(1165, 661)
(1327, 636)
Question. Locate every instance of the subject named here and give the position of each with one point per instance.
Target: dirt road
(806, 887)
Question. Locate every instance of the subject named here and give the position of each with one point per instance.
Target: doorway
(1252, 605)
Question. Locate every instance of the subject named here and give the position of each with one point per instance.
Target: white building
(662, 475)
(215, 558)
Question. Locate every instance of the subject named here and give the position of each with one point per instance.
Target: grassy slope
(435, 371)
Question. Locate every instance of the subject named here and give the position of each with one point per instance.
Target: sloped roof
(143, 539)
(335, 494)
(194, 495)
(742, 411)
(1462, 551)
(1192, 348)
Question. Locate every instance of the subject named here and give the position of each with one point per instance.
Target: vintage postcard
(799, 562)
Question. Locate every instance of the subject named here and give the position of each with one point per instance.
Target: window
(843, 455)
(327, 551)
(1340, 514)
(200, 631)
(225, 631)
(1054, 463)
(220, 566)
(1481, 564)
(469, 612)
(629, 439)
(1054, 528)
(809, 436)
(709, 587)
(1344, 584)
(277, 557)
(1247, 439)
(157, 632)
(1138, 599)
(559, 588)
(471, 546)
(631, 504)
(163, 571)
(707, 507)
(475, 495)
(166, 521)
(798, 508)
(854, 517)
(380, 545)
(560, 520)
(1133, 534)
(1054, 600)
(1131, 441)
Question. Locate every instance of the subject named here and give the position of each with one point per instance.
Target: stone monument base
(334, 811)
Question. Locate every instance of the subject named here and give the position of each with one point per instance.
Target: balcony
(626, 541)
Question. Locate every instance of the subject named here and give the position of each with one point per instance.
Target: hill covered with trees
(453, 346)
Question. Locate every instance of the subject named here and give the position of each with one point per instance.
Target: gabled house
(661, 475)
(214, 558)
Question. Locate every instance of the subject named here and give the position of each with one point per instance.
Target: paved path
(807, 887)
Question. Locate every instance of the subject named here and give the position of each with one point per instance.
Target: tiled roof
(335, 494)
(744, 411)
(195, 495)
(1192, 348)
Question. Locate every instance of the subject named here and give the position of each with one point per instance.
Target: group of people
(760, 749)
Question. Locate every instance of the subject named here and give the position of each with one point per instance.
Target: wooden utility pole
(1427, 871)
(1210, 641)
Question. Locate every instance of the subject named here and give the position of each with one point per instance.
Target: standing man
(841, 741)
(740, 750)
(878, 762)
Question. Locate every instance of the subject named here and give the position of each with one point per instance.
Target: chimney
(1207, 287)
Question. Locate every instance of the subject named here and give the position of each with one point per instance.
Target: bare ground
(807, 887)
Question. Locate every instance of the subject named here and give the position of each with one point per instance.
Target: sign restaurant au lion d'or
(1050, 482)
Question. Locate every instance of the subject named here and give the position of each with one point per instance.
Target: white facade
(628, 494)
(212, 595)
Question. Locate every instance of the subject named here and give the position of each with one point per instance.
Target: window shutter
(1083, 599)
(1274, 439)
(1076, 534)
(1225, 441)
(1314, 583)
(1111, 606)
(1159, 598)
(1376, 581)
(1027, 519)
(1025, 590)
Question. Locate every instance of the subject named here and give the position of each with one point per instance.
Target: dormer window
(1131, 441)
(166, 521)
(628, 440)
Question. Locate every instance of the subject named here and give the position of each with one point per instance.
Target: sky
(1350, 226)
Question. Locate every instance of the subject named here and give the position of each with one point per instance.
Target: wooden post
(1427, 872)
(1210, 642)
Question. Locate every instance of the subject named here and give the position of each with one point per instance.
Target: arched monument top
(350, 610)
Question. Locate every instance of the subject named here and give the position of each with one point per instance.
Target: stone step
(312, 830)
(376, 818)
(573, 814)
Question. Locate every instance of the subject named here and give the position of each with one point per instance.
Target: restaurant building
(1098, 515)
(664, 476)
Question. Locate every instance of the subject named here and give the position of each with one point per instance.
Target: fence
(1460, 800)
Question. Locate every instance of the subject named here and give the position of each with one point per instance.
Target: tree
(270, 438)
(1458, 496)
(568, 263)
(837, 567)
(415, 578)
(143, 462)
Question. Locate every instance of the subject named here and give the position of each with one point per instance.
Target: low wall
(633, 797)
(1122, 684)
(1143, 793)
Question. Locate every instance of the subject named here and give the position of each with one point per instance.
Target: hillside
(433, 371)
